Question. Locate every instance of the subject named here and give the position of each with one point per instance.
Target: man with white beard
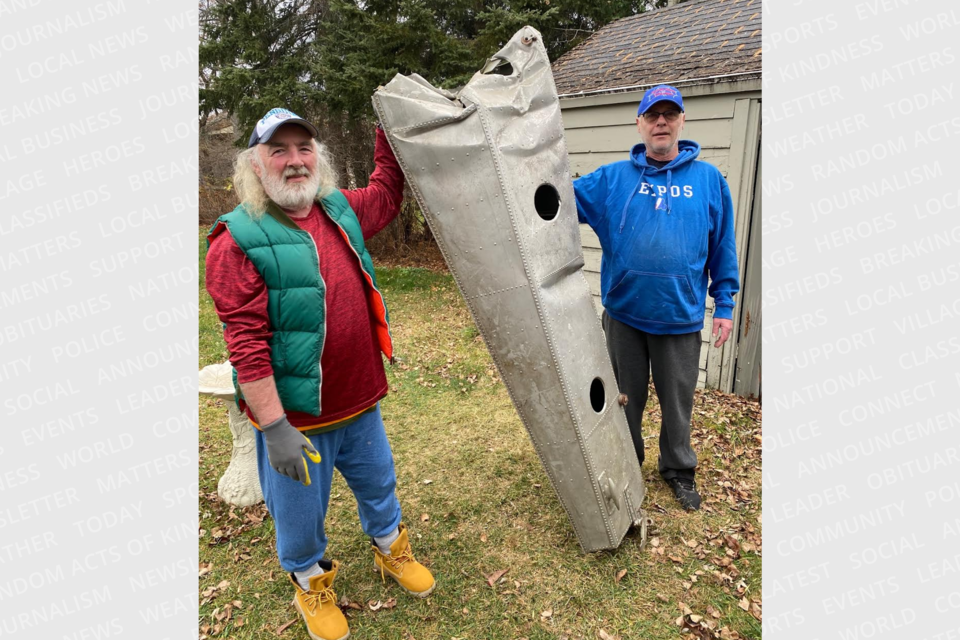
(295, 289)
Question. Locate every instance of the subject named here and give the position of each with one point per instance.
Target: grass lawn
(477, 502)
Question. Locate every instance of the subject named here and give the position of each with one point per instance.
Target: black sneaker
(685, 489)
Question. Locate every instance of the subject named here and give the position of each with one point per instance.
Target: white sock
(303, 577)
(384, 542)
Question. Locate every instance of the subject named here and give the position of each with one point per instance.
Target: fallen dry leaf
(285, 626)
(744, 604)
(546, 615)
(620, 575)
(606, 636)
(732, 543)
(424, 517)
(496, 575)
(346, 603)
(483, 537)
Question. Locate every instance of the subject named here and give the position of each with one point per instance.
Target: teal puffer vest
(287, 258)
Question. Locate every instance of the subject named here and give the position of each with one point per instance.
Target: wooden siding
(601, 129)
(711, 134)
(748, 378)
(744, 151)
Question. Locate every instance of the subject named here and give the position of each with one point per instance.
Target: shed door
(747, 382)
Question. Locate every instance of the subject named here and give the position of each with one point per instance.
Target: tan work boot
(318, 606)
(400, 565)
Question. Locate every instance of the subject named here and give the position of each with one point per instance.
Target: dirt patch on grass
(423, 253)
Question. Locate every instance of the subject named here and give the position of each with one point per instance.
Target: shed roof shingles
(692, 40)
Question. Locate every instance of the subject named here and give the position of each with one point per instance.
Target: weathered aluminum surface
(475, 161)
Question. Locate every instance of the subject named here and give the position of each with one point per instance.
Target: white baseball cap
(273, 120)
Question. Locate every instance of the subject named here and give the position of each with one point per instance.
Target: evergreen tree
(257, 54)
(326, 57)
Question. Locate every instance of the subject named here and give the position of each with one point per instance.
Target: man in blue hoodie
(665, 224)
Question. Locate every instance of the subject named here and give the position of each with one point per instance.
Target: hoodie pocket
(655, 297)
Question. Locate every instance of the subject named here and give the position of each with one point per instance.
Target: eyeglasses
(654, 116)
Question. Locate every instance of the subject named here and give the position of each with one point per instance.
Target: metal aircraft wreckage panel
(489, 168)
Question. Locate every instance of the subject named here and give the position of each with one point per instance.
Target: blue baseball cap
(272, 121)
(660, 93)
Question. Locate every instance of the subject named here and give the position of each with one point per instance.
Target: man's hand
(724, 326)
(286, 447)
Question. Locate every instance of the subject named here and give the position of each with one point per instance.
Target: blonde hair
(250, 190)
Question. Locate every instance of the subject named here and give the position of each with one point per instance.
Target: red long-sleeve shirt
(353, 376)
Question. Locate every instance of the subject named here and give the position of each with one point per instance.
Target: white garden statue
(240, 484)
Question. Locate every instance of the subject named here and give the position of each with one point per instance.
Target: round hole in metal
(546, 201)
(597, 396)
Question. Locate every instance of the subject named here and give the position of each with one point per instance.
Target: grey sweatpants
(674, 360)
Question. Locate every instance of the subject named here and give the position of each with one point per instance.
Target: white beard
(291, 196)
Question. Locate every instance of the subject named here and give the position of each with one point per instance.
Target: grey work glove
(286, 448)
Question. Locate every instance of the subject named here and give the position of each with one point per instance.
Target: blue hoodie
(663, 231)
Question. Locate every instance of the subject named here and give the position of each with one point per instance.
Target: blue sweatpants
(361, 453)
